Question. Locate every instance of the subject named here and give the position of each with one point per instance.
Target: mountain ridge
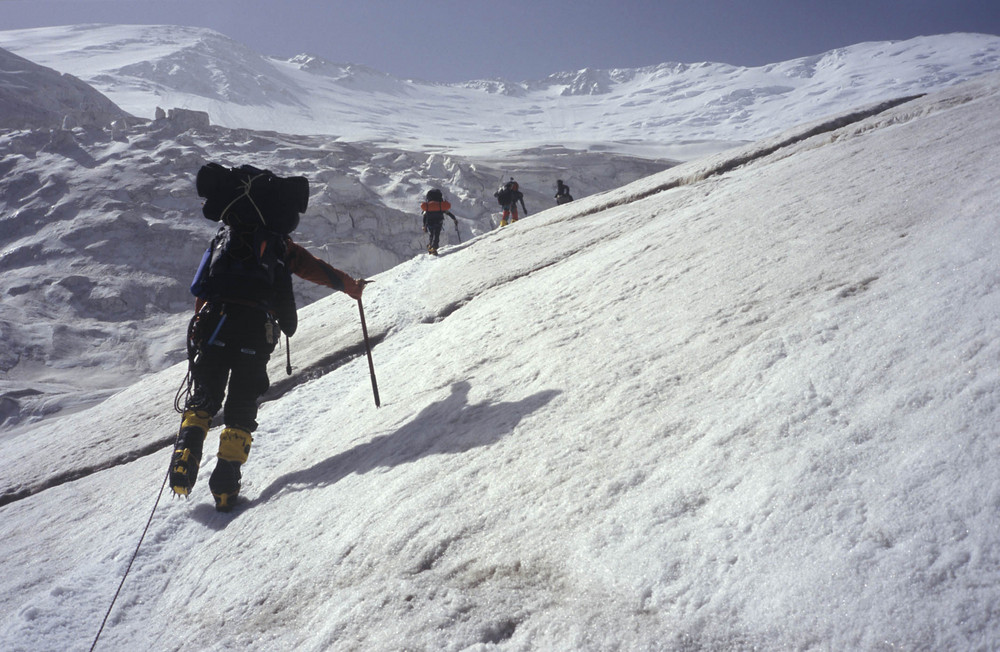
(663, 104)
(34, 96)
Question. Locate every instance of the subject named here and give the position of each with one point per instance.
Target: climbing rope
(131, 561)
(247, 184)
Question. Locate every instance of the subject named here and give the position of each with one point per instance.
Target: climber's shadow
(450, 426)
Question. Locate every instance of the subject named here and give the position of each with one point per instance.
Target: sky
(521, 40)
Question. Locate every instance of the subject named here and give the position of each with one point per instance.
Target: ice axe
(368, 350)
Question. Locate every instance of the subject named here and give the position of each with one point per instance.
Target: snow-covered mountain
(101, 227)
(749, 402)
(659, 112)
(32, 97)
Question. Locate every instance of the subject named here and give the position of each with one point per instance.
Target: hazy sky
(460, 40)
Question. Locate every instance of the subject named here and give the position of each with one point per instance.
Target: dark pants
(232, 345)
(434, 229)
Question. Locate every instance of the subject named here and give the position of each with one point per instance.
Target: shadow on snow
(447, 427)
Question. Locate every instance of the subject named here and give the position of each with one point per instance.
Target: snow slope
(749, 402)
(102, 229)
(101, 226)
(32, 96)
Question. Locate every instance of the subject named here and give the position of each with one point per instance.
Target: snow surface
(33, 96)
(748, 402)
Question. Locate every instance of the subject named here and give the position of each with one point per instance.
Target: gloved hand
(354, 287)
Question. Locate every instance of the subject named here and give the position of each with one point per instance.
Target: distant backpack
(247, 197)
(562, 193)
(435, 202)
(507, 193)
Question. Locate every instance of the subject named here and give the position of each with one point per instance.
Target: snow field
(753, 411)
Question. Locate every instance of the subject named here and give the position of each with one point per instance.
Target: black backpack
(248, 267)
(434, 195)
(504, 194)
(245, 262)
(247, 197)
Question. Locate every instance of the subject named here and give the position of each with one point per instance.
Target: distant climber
(507, 196)
(434, 209)
(562, 193)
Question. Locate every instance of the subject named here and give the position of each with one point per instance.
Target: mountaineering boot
(234, 448)
(187, 451)
(503, 222)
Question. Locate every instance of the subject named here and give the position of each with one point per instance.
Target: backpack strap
(246, 185)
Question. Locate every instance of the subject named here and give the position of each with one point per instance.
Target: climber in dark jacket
(244, 302)
(562, 193)
(508, 195)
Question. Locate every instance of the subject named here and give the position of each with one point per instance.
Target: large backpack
(504, 194)
(248, 267)
(435, 202)
(245, 262)
(247, 197)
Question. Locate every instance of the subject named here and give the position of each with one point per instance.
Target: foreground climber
(244, 302)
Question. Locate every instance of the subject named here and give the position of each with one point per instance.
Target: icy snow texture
(32, 96)
(754, 411)
(749, 402)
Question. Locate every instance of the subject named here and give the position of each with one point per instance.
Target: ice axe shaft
(368, 350)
